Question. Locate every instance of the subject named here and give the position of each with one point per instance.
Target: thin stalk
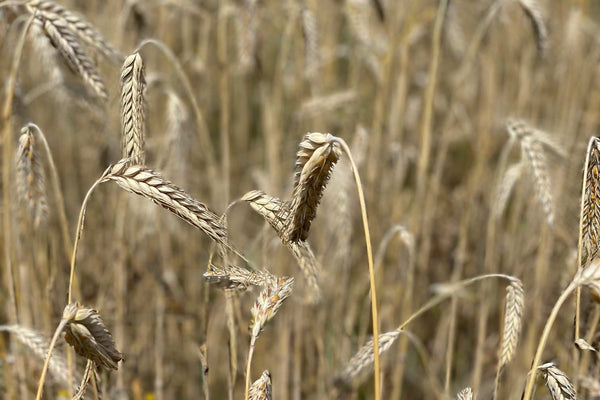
(450, 345)
(441, 297)
(87, 375)
(425, 153)
(6, 187)
(491, 242)
(7, 163)
(224, 99)
(78, 232)
(57, 332)
(250, 354)
(60, 201)
(200, 121)
(542, 343)
(365, 221)
(233, 367)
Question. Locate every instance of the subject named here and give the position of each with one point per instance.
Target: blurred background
(421, 90)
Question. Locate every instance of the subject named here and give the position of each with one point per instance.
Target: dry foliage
(426, 86)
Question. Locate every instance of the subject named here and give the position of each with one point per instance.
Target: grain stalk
(374, 313)
(264, 309)
(446, 291)
(87, 374)
(57, 332)
(224, 100)
(79, 231)
(60, 201)
(7, 146)
(231, 344)
(449, 291)
(588, 275)
(200, 121)
(86, 332)
(425, 152)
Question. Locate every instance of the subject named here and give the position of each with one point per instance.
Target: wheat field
(300, 199)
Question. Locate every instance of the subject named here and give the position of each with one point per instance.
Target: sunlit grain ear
(317, 155)
(133, 127)
(151, 185)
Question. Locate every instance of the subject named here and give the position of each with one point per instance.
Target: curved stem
(60, 202)
(200, 121)
(457, 287)
(250, 354)
(7, 160)
(425, 153)
(57, 332)
(365, 221)
(78, 231)
(7, 153)
(422, 353)
(542, 343)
